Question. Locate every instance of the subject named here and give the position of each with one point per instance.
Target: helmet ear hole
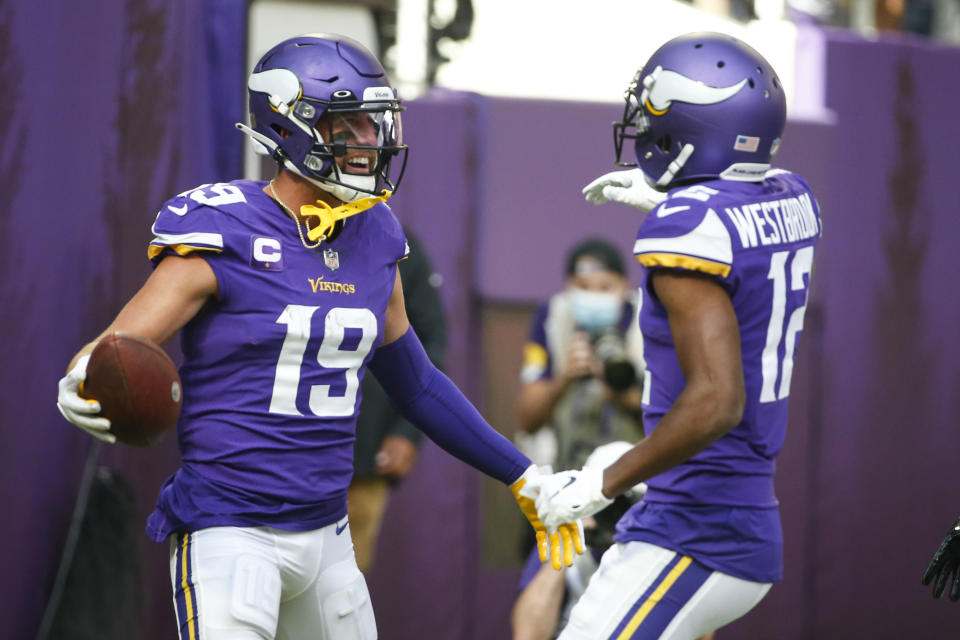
(664, 143)
(283, 133)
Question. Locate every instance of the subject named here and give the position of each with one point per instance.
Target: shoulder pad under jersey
(191, 221)
(685, 232)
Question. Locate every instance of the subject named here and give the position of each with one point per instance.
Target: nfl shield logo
(331, 259)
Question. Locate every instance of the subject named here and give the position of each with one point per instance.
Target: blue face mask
(594, 311)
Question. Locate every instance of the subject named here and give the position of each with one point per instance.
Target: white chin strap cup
(349, 191)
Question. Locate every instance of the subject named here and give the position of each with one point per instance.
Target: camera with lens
(619, 372)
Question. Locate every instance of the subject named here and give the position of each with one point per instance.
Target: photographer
(582, 370)
(582, 382)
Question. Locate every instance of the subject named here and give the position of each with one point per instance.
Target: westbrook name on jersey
(757, 240)
(271, 380)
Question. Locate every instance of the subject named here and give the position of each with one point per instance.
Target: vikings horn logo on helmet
(663, 87)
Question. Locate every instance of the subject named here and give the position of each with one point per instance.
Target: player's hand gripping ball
(137, 386)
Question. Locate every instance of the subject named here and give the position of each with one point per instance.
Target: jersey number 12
(771, 365)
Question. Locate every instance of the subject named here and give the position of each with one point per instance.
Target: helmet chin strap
(674, 167)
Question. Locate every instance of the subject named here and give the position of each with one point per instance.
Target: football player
(727, 247)
(286, 292)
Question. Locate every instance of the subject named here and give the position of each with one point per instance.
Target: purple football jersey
(272, 368)
(757, 240)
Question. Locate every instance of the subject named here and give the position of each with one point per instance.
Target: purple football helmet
(704, 106)
(300, 80)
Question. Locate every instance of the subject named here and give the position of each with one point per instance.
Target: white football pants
(645, 592)
(262, 583)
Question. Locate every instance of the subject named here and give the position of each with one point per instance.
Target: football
(137, 386)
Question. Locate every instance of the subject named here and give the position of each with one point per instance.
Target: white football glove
(570, 495)
(627, 187)
(563, 540)
(80, 411)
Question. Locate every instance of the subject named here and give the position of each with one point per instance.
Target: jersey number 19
(330, 356)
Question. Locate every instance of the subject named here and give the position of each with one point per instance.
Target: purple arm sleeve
(428, 399)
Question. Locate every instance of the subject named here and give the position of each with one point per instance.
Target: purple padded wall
(891, 369)
(538, 155)
(106, 115)
(873, 458)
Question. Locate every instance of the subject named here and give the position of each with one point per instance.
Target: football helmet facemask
(704, 106)
(321, 97)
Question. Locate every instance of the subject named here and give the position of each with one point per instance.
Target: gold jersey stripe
(535, 354)
(684, 262)
(155, 250)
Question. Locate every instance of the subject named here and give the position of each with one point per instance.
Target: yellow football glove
(560, 545)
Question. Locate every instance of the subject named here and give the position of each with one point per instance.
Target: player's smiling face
(351, 128)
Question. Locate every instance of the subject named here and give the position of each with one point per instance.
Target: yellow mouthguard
(328, 216)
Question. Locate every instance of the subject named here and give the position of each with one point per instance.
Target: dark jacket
(377, 418)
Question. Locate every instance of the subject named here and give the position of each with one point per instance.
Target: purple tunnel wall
(107, 114)
(114, 115)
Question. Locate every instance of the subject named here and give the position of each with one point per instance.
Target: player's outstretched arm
(174, 293)
(429, 400)
(707, 341)
(944, 567)
(706, 338)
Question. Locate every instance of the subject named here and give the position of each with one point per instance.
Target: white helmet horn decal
(282, 84)
(663, 87)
